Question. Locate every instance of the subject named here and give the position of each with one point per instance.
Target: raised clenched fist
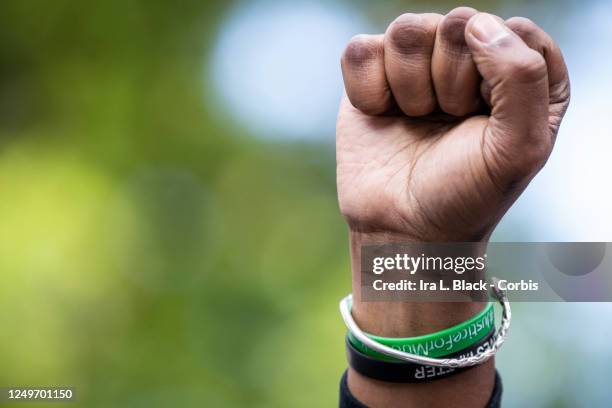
(445, 121)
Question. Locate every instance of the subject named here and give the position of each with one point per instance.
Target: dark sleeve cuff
(347, 400)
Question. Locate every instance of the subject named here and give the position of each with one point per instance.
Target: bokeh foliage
(151, 253)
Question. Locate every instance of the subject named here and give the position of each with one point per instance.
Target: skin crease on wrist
(445, 121)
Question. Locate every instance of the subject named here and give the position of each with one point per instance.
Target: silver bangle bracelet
(498, 294)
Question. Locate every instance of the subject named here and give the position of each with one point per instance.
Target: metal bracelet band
(479, 358)
(439, 344)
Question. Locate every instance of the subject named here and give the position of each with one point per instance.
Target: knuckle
(409, 33)
(452, 27)
(360, 49)
(529, 32)
(522, 25)
(462, 12)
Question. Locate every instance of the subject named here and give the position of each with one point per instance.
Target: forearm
(417, 154)
(471, 388)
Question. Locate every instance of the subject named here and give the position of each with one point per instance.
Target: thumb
(517, 136)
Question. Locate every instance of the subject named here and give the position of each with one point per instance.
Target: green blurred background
(169, 234)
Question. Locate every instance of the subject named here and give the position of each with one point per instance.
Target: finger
(408, 45)
(455, 77)
(558, 78)
(485, 92)
(363, 71)
(485, 87)
(517, 129)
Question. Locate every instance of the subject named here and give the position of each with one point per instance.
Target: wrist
(401, 319)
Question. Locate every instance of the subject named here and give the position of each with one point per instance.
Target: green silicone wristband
(439, 344)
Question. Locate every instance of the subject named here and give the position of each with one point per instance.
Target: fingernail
(487, 29)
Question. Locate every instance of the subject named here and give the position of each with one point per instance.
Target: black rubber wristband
(347, 400)
(407, 372)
